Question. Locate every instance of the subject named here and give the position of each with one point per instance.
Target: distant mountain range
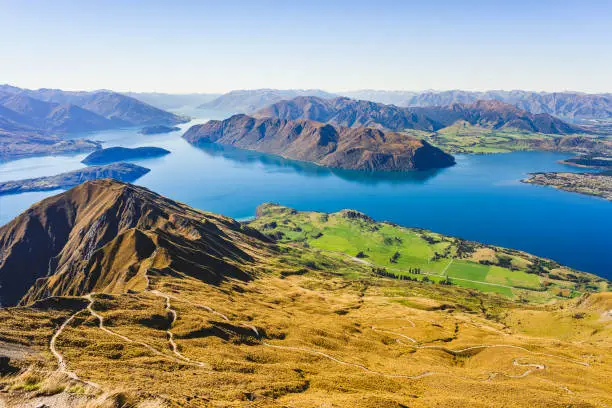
(248, 101)
(566, 105)
(31, 121)
(173, 101)
(356, 113)
(571, 106)
(358, 148)
(53, 110)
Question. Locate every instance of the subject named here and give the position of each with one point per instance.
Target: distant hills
(566, 105)
(248, 101)
(172, 101)
(571, 106)
(354, 113)
(31, 121)
(67, 111)
(332, 146)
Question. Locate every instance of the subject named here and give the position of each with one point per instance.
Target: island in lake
(116, 154)
(596, 184)
(120, 171)
(361, 148)
(153, 130)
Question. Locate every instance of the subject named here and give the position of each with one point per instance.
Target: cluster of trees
(537, 267)
(505, 262)
(395, 257)
(429, 240)
(425, 279)
(387, 274)
(464, 248)
(446, 281)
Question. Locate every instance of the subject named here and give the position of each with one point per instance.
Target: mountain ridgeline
(353, 113)
(360, 148)
(573, 106)
(248, 101)
(569, 106)
(102, 235)
(33, 122)
(54, 110)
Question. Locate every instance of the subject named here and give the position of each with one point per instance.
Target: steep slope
(248, 101)
(350, 148)
(100, 235)
(353, 113)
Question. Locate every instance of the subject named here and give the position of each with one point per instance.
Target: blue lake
(480, 198)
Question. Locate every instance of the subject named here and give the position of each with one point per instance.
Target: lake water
(480, 198)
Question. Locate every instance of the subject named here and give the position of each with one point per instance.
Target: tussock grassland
(325, 337)
(316, 325)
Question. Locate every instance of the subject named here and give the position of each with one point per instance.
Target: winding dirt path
(152, 349)
(498, 346)
(394, 333)
(360, 366)
(62, 367)
(169, 333)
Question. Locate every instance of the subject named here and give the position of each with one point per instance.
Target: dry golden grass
(326, 340)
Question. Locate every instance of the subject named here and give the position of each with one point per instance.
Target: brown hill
(102, 235)
(353, 113)
(342, 147)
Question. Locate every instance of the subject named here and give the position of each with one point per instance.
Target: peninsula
(361, 148)
(119, 171)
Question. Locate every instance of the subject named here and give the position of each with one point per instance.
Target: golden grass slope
(305, 330)
(316, 337)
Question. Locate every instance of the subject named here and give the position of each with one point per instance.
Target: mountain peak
(104, 235)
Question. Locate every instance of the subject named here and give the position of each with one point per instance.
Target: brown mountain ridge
(103, 234)
(353, 113)
(359, 148)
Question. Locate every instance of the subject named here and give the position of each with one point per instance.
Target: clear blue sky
(216, 46)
